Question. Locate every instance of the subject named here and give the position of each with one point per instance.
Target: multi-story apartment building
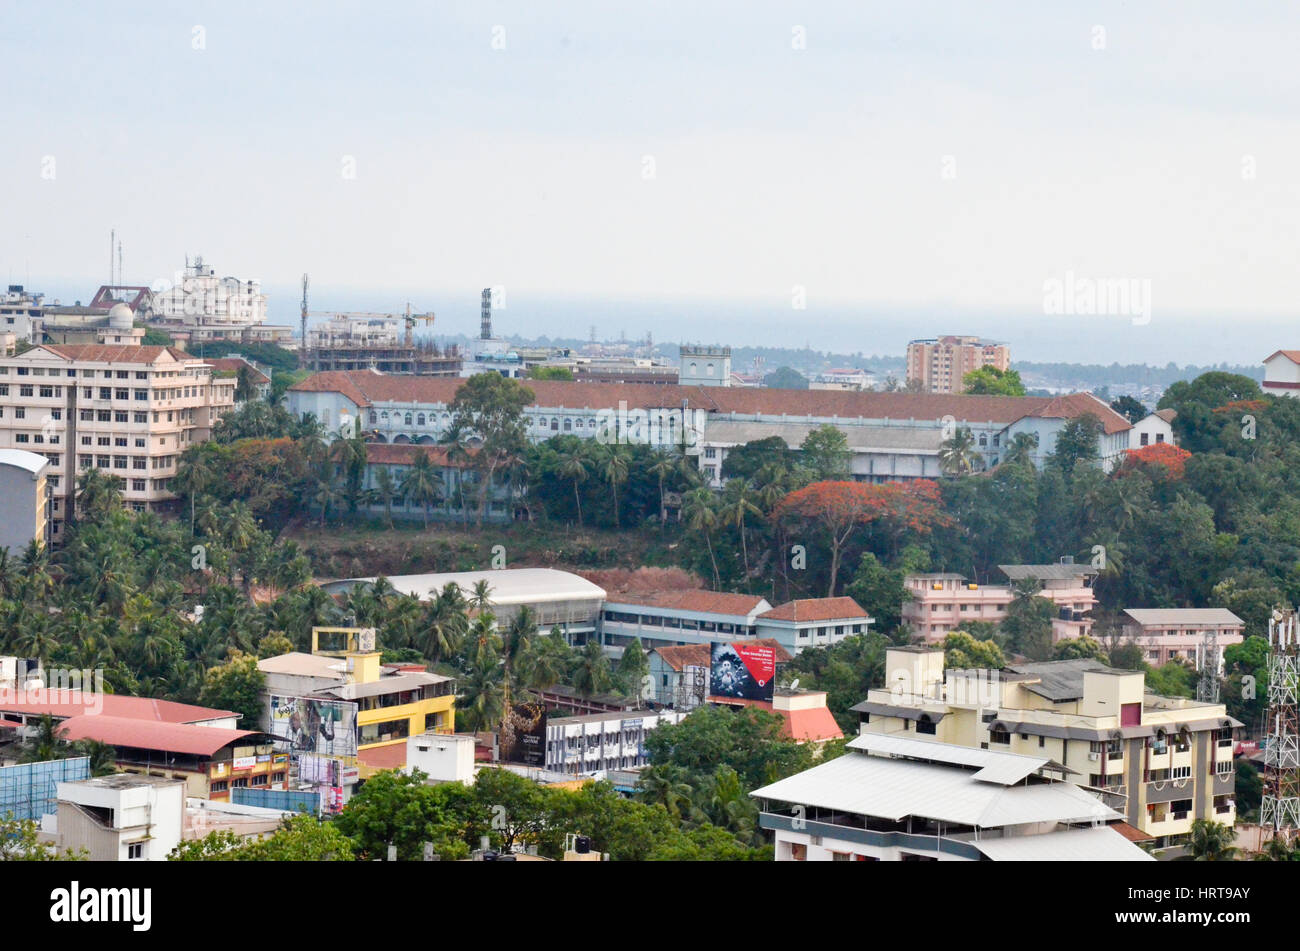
(202, 307)
(1166, 634)
(1161, 761)
(939, 364)
(130, 411)
(943, 602)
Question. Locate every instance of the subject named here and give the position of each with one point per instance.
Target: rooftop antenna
(1280, 804)
(485, 316)
(112, 243)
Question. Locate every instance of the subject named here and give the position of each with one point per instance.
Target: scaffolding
(1280, 806)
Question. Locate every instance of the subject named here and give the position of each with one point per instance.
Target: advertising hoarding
(742, 671)
(323, 727)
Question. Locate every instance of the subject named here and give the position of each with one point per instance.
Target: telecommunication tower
(1207, 687)
(485, 317)
(303, 343)
(1280, 806)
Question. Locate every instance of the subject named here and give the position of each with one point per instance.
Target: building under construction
(353, 341)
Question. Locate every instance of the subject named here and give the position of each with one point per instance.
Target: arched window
(709, 369)
(555, 425)
(420, 419)
(408, 419)
(568, 425)
(374, 417)
(984, 440)
(384, 415)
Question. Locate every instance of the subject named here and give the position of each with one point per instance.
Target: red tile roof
(814, 724)
(365, 387)
(816, 609)
(147, 735)
(1292, 355)
(704, 602)
(107, 353)
(1168, 415)
(403, 454)
(232, 365)
(1132, 833)
(72, 703)
(384, 757)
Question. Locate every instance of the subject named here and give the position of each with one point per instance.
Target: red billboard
(743, 671)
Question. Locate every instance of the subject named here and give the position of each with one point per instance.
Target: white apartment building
(130, 411)
(120, 818)
(201, 307)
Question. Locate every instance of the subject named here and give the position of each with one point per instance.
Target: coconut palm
(737, 502)
(1021, 448)
(700, 513)
(664, 467)
(959, 454)
(574, 465)
(1211, 841)
(614, 469)
(421, 484)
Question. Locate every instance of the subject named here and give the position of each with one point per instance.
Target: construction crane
(411, 320)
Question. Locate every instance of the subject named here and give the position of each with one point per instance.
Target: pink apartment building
(1166, 634)
(944, 602)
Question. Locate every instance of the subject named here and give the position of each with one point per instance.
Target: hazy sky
(917, 168)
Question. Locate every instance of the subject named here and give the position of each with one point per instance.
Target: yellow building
(1162, 761)
(390, 701)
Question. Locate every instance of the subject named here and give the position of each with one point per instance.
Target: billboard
(742, 671)
(323, 727)
(524, 739)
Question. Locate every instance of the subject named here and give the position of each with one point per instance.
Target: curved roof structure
(22, 459)
(509, 586)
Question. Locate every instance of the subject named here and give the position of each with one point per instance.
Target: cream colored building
(941, 363)
(24, 502)
(1160, 761)
(129, 411)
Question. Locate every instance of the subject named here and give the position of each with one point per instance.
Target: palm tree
(959, 455)
(422, 484)
(1021, 448)
(98, 493)
(664, 467)
(327, 497)
(573, 465)
(546, 661)
(615, 471)
(481, 701)
(350, 454)
(480, 597)
(737, 503)
(446, 623)
(700, 515)
(1211, 841)
(591, 674)
(47, 743)
(194, 475)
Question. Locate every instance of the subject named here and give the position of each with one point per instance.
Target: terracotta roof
(106, 353)
(73, 704)
(365, 387)
(816, 723)
(705, 602)
(816, 609)
(1074, 405)
(403, 454)
(1132, 833)
(1168, 415)
(144, 735)
(232, 364)
(392, 756)
(1292, 355)
(681, 656)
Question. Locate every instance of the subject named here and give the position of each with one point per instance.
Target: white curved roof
(509, 585)
(22, 459)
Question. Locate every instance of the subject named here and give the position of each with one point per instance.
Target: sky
(846, 175)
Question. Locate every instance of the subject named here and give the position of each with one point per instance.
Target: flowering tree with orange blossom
(840, 507)
(1159, 458)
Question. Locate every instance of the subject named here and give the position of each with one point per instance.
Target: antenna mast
(303, 344)
(1280, 806)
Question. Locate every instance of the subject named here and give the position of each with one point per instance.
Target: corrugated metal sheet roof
(1176, 617)
(894, 789)
(1095, 844)
(993, 766)
(1053, 572)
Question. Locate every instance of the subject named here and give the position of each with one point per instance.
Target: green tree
(825, 452)
(784, 378)
(236, 685)
(1129, 408)
(632, 667)
(550, 373)
(299, 839)
(487, 414)
(20, 842)
(394, 808)
(1211, 841)
(1076, 648)
(958, 455)
(963, 652)
(1079, 441)
(990, 381)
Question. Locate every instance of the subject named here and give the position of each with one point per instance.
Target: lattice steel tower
(1207, 686)
(1280, 807)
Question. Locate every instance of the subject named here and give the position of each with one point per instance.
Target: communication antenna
(1280, 805)
(304, 318)
(1207, 686)
(485, 315)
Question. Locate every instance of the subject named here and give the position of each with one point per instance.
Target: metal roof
(396, 683)
(861, 438)
(1053, 572)
(1059, 679)
(894, 789)
(1094, 844)
(22, 459)
(509, 586)
(992, 766)
(1176, 617)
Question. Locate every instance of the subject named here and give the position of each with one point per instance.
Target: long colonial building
(892, 436)
(130, 411)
